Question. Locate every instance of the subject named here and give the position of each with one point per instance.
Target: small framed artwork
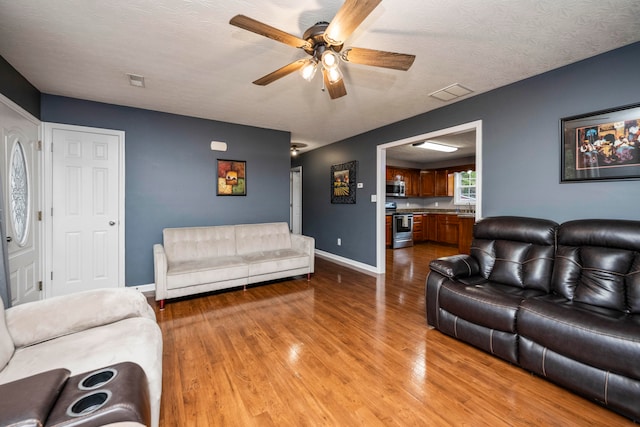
(232, 178)
(343, 182)
(600, 146)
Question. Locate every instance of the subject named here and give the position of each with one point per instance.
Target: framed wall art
(604, 145)
(232, 178)
(343, 182)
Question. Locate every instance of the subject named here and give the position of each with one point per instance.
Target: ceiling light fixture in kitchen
(430, 145)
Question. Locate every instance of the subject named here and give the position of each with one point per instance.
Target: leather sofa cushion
(597, 263)
(604, 338)
(515, 251)
(490, 304)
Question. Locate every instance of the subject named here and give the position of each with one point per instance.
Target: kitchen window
(465, 188)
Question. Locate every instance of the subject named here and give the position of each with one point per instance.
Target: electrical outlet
(339, 241)
(436, 204)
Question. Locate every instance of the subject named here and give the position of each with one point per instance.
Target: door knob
(112, 223)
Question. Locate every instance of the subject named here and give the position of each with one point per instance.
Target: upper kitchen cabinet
(427, 183)
(411, 178)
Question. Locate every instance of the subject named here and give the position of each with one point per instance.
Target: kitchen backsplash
(440, 203)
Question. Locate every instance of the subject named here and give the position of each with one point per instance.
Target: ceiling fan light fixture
(308, 70)
(334, 75)
(294, 151)
(329, 59)
(429, 145)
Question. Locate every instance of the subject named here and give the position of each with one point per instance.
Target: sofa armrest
(39, 321)
(307, 245)
(456, 266)
(160, 267)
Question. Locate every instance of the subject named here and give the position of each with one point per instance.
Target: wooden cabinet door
(388, 231)
(465, 235)
(441, 183)
(427, 183)
(429, 227)
(418, 228)
(412, 182)
(447, 229)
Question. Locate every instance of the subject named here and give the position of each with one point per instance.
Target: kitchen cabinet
(465, 234)
(417, 228)
(388, 230)
(427, 183)
(429, 227)
(411, 178)
(442, 183)
(447, 229)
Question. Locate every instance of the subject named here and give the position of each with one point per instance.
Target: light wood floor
(345, 349)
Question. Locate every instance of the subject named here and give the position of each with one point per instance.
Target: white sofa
(83, 332)
(193, 260)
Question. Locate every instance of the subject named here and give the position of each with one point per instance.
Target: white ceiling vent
(136, 80)
(451, 92)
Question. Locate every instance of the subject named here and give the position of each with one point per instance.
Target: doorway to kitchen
(475, 127)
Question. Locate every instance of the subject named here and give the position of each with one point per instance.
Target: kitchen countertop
(435, 211)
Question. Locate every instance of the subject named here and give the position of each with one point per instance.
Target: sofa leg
(308, 277)
(161, 304)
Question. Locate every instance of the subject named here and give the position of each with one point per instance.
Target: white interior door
(20, 161)
(87, 217)
(295, 207)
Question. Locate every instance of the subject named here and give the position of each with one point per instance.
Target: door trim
(381, 162)
(48, 197)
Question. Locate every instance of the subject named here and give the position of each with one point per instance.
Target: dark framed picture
(600, 146)
(232, 178)
(343, 182)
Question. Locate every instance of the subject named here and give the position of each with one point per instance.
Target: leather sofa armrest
(456, 266)
(28, 401)
(160, 267)
(39, 321)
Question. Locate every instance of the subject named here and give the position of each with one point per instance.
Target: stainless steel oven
(402, 230)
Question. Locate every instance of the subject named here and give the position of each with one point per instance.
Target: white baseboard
(347, 262)
(151, 287)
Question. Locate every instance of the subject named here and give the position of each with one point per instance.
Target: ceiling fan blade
(281, 72)
(258, 27)
(337, 89)
(378, 58)
(350, 15)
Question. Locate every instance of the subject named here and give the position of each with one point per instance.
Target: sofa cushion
(137, 340)
(6, 342)
(209, 270)
(604, 338)
(262, 237)
(515, 251)
(267, 262)
(489, 304)
(597, 263)
(197, 243)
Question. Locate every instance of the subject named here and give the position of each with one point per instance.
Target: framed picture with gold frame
(232, 178)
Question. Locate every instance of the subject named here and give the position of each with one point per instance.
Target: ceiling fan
(324, 42)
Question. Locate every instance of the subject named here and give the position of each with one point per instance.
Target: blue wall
(18, 89)
(171, 172)
(520, 154)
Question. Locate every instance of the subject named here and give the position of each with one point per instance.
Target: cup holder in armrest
(89, 403)
(97, 379)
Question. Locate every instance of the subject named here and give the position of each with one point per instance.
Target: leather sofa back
(598, 263)
(515, 251)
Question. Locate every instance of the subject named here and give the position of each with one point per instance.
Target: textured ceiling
(196, 64)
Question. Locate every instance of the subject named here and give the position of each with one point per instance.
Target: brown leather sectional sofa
(561, 301)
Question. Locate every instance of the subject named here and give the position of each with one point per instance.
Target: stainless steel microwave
(395, 189)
